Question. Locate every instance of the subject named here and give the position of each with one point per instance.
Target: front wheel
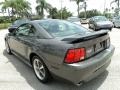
(94, 28)
(110, 29)
(89, 26)
(40, 69)
(7, 48)
(114, 25)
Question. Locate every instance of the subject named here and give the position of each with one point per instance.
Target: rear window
(59, 28)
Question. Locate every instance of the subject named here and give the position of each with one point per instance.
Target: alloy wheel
(39, 69)
(7, 48)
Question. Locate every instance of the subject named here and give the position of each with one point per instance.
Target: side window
(26, 30)
(32, 31)
(23, 30)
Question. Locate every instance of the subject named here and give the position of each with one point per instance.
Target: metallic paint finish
(52, 51)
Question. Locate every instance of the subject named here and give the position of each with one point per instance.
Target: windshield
(59, 28)
(100, 18)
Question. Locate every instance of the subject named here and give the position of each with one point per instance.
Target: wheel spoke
(37, 63)
(42, 73)
(41, 67)
(36, 68)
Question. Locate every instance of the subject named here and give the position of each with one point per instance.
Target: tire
(114, 25)
(89, 26)
(40, 70)
(110, 29)
(94, 28)
(8, 48)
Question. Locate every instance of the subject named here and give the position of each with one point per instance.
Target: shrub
(90, 13)
(4, 25)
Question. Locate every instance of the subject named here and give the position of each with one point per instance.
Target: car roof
(20, 21)
(36, 21)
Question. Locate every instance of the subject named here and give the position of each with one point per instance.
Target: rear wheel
(7, 48)
(40, 69)
(89, 26)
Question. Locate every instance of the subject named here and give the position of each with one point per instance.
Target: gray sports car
(60, 48)
(100, 22)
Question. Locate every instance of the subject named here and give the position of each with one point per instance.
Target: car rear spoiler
(86, 37)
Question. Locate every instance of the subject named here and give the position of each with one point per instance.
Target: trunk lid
(93, 42)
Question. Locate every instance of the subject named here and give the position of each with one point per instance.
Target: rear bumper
(86, 70)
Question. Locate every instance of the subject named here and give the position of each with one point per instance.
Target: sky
(72, 7)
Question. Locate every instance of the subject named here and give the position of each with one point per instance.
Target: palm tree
(22, 8)
(85, 8)
(42, 5)
(53, 13)
(78, 5)
(18, 7)
(118, 6)
(115, 1)
(6, 5)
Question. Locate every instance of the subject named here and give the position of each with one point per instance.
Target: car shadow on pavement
(27, 73)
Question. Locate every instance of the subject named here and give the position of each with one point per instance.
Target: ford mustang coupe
(60, 48)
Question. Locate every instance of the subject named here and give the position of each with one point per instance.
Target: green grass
(4, 25)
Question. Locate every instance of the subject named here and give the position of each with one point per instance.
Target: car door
(20, 41)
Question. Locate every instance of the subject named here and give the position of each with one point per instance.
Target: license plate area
(99, 47)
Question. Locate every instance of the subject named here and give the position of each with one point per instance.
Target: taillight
(75, 55)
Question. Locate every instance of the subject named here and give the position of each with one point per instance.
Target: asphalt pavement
(16, 75)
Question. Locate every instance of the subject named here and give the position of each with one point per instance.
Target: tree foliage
(53, 13)
(42, 5)
(90, 13)
(20, 8)
(78, 5)
(57, 14)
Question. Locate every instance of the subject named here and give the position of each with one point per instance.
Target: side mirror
(12, 29)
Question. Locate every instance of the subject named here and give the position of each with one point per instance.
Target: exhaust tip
(80, 83)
